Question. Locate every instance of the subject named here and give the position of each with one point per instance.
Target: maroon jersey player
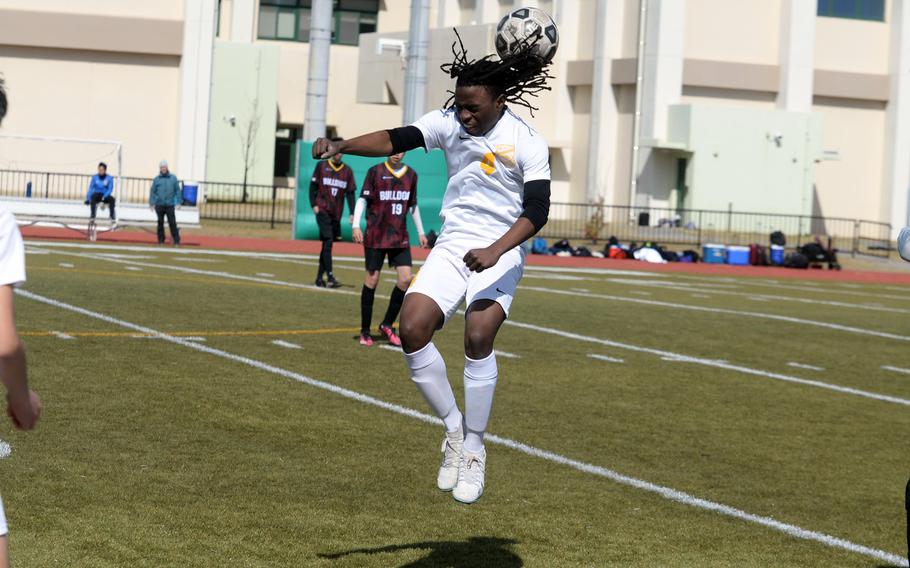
(332, 183)
(389, 194)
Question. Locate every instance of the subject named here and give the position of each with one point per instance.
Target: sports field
(212, 409)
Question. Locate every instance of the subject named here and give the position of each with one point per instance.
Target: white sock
(428, 371)
(479, 386)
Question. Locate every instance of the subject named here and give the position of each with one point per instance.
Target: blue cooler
(777, 255)
(190, 194)
(714, 254)
(738, 256)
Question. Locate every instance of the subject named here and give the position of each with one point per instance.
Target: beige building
(794, 106)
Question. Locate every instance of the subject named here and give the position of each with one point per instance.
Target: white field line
(506, 354)
(796, 365)
(66, 265)
(195, 338)
(810, 286)
(61, 335)
(216, 273)
(776, 317)
(128, 256)
(390, 348)
(605, 358)
(896, 369)
(358, 260)
(720, 364)
(286, 344)
(203, 260)
(569, 335)
(660, 490)
(761, 315)
(134, 268)
(700, 289)
(265, 274)
(5, 449)
(814, 288)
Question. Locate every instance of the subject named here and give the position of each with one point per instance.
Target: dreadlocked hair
(518, 75)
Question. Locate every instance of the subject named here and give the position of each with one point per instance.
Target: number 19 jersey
(389, 196)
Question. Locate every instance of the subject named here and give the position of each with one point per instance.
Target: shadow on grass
(475, 551)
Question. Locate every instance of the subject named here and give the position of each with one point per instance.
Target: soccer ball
(527, 26)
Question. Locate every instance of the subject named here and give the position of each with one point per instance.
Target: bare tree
(247, 131)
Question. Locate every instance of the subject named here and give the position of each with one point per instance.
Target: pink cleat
(366, 339)
(389, 334)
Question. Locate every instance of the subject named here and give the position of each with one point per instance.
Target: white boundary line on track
(663, 491)
(578, 337)
(896, 369)
(677, 306)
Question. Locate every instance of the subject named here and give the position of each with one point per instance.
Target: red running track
(351, 249)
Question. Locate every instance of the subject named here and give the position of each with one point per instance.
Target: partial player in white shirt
(23, 405)
(498, 196)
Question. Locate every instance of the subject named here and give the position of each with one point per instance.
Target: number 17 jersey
(389, 196)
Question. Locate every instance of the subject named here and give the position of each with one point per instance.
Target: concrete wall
(740, 31)
(245, 89)
(852, 185)
(81, 94)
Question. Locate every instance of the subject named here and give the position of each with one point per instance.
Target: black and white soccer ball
(527, 28)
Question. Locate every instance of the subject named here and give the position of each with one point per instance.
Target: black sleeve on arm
(350, 197)
(406, 138)
(537, 202)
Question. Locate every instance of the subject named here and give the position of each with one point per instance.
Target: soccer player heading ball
(498, 196)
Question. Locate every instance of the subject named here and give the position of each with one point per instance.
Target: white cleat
(451, 459)
(470, 477)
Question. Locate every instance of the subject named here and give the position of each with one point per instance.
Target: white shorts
(3, 528)
(445, 278)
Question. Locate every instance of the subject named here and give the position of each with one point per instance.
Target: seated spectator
(100, 190)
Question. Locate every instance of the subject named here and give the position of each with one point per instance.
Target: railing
(221, 201)
(694, 228)
(688, 227)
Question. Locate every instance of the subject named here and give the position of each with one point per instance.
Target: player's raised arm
(375, 144)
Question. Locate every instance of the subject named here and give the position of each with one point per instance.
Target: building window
(290, 20)
(285, 151)
(856, 9)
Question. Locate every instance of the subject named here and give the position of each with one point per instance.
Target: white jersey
(12, 252)
(487, 174)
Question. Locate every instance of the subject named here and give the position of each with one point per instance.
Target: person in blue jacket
(100, 190)
(164, 198)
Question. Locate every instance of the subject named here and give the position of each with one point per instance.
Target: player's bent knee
(478, 342)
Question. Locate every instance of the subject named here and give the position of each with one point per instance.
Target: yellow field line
(235, 333)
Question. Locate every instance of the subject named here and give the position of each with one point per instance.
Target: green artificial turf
(152, 453)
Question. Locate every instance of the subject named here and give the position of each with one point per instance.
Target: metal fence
(590, 222)
(221, 201)
(694, 228)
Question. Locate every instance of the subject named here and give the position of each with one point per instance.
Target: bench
(74, 215)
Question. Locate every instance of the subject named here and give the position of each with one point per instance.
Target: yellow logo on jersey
(506, 155)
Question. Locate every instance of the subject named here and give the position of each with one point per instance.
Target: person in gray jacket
(164, 198)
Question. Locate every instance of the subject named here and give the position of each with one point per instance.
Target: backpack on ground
(617, 252)
(758, 256)
(539, 246)
(796, 260)
(778, 238)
